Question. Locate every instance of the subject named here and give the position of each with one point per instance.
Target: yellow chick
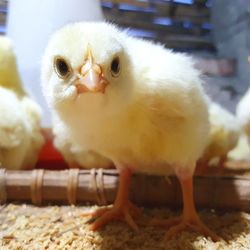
(9, 76)
(73, 154)
(243, 113)
(20, 134)
(223, 136)
(134, 102)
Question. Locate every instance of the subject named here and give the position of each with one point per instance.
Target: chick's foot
(180, 224)
(122, 209)
(190, 219)
(125, 211)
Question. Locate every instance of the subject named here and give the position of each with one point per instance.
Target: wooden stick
(99, 186)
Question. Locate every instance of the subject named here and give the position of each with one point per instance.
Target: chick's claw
(104, 215)
(178, 225)
(114, 214)
(95, 214)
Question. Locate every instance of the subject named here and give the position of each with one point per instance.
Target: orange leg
(122, 208)
(190, 219)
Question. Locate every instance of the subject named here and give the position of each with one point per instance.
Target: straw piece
(93, 185)
(97, 185)
(72, 185)
(36, 186)
(100, 185)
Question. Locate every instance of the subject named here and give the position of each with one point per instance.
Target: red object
(49, 157)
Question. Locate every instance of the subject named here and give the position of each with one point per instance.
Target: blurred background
(215, 32)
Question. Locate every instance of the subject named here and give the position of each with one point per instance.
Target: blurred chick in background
(241, 153)
(223, 136)
(243, 113)
(134, 102)
(20, 132)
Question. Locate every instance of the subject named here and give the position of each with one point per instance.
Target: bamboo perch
(99, 186)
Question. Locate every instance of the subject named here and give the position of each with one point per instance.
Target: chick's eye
(115, 67)
(61, 67)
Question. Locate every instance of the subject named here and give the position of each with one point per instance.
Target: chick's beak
(91, 78)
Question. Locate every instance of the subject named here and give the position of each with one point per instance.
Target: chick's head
(86, 65)
(9, 75)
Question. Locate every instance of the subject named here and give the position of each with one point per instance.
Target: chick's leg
(122, 209)
(189, 220)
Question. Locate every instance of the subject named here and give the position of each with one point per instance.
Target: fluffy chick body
(75, 155)
(20, 139)
(243, 113)
(20, 132)
(224, 132)
(155, 115)
(9, 76)
(134, 102)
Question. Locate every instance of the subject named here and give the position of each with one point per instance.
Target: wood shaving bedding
(62, 227)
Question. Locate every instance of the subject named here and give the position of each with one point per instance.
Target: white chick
(243, 113)
(20, 134)
(223, 136)
(134, 102)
